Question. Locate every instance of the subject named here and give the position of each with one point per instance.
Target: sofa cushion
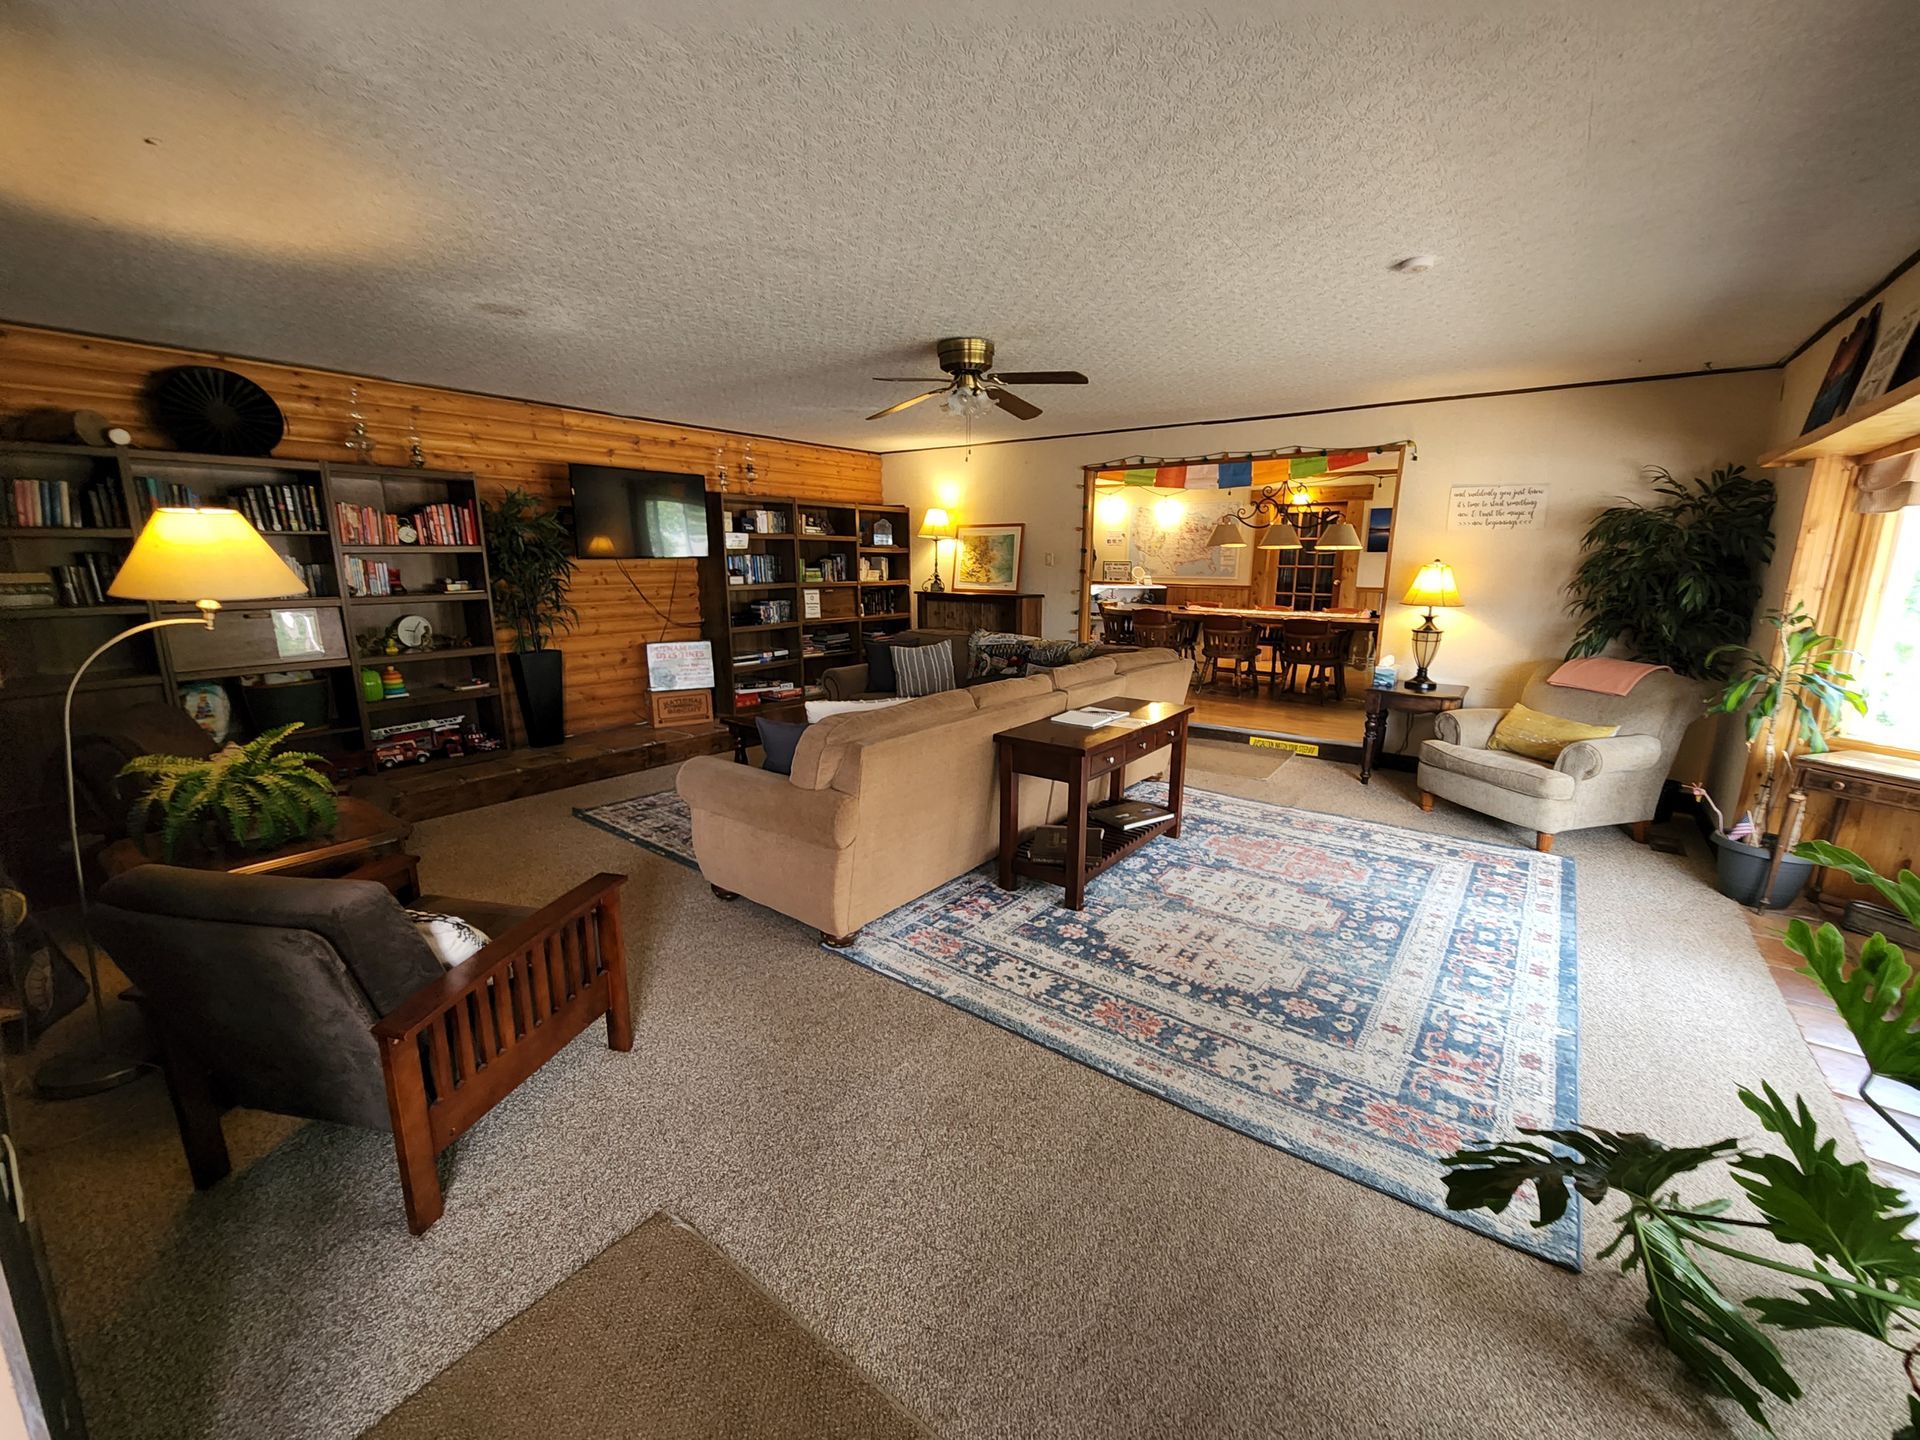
(819, 752)
(1066, 677)
(880, 679)
(996, 655)
(1499, 768)
(997, 693)
(1540, 736)
(1056, 653)
(923, 670)
(1125, 662)
(777, 739)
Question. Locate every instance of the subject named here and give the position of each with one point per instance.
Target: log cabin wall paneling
(505, 443)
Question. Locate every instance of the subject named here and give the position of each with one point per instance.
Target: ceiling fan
(974, 385)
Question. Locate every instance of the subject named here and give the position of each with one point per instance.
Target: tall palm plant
(530, 557)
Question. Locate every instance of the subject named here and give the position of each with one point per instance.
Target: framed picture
(989, 558)
(1379, 529)
(680, 665)
(1116, 571)
(1843, 372)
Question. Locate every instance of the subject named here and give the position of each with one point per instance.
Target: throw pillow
(1053, 653)
(880, 676)
(996, 655)
(1540, 736)
(450, 938)
(923, 669)
(818, 710)
(778, 739)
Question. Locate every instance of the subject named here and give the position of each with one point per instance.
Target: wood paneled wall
(506, 443)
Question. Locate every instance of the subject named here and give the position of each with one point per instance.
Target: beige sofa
(884, 806)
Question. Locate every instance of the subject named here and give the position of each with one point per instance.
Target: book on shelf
(760, 522)
(155, 493)
(279, 507)
(753, 570)
(1049, 843)
(1127, 816)
(372, 577)
(27, 590)
(28, 504)
(446, 523)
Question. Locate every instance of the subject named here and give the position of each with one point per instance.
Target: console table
(1412, 702)
(1052, 751)
(1849, 776)
(966, 610)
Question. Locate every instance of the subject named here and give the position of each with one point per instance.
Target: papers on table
(1090, 717)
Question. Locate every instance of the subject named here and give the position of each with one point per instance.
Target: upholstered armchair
(319, 998)
(1615, 781)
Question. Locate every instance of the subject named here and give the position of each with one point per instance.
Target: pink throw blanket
(1603, 676)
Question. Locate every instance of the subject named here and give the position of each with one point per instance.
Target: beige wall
(1586, 446)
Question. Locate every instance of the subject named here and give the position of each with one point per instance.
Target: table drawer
(1867, 791)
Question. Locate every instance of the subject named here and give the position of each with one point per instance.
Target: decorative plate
(214, 411)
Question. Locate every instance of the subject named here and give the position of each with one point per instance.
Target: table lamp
(1433, 587)
(202, 556)
(936, 525)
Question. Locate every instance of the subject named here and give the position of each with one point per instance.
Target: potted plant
(530, 558)
(248, 797)
(1864, 1274)
(1676, 581)
(1791, 704)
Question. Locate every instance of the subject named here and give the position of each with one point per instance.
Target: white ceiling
(735, 214)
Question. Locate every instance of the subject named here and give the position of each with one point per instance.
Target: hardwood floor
(1893, 1160)
(1292, 715)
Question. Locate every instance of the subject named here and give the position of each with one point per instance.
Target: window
(1887, 667)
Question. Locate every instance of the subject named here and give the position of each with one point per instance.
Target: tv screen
(637, 514)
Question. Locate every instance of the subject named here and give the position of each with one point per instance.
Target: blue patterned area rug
(1364, 997)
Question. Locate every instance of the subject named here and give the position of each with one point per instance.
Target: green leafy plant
(1674, 580)
(1805, 683)
(1865, 1271)
(1864, 1275)
(530, 557)
(253, 796)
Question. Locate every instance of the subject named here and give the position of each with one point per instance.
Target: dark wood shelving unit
(832, 536)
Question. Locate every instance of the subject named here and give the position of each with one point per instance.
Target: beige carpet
(1234, 760)
(1011, 1243)
(662, 1337)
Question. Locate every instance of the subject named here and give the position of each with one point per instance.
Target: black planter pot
(1743, 873)
(537, 678)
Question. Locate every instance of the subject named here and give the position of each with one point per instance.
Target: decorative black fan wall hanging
(214, 411)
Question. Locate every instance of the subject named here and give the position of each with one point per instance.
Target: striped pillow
(922, 669)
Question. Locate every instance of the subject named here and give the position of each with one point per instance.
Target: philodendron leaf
(1835, 1209)
(1878, 1000)
(1590, 1162)
(1903, 894)
(1910, 1430)
(1710, 1333)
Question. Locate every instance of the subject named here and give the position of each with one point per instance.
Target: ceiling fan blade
(882, 414)
(1040, 377)
(1013, 404)
(916, 379)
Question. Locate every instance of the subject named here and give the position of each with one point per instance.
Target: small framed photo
(1116, 572)
(989, 558)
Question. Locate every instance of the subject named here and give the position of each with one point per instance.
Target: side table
(1408, 702)
(1052, 751)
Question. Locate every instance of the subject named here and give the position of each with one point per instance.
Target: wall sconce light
(1111, 509)
(1167, 512)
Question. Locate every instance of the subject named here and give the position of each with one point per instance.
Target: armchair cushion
(1541, 736)
(1584, 759)
(1471, 728)
(1514, 773)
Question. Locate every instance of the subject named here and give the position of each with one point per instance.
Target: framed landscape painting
(989, 559)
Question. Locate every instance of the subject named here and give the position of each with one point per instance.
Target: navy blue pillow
(778, 738)
(880, 673)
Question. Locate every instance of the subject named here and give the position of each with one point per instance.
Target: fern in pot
(1792, 698)
(254, 796)
(530, 560)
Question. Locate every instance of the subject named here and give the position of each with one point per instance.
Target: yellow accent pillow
(1540, 736)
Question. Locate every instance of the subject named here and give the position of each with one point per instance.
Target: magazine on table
(1090, 717)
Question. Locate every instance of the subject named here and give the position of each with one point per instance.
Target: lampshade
(1339, 537)
(936, 525)
(210, 554)
(1280, 536)
(1433, 587)
(1226, 535)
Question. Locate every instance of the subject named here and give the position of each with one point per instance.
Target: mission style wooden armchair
(319, 998)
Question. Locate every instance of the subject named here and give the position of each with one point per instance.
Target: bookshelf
(291, 503)
(791, 588)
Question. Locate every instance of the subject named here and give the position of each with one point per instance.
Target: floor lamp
(202, 556)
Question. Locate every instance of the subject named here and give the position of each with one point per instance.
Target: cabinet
(960, 610)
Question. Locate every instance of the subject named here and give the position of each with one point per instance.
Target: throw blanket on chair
(1603, 676)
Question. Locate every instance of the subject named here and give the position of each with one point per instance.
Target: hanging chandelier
(1269, 521)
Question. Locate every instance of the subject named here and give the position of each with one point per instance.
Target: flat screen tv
(637, 514)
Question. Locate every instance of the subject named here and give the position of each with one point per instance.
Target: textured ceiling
(736, 214)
